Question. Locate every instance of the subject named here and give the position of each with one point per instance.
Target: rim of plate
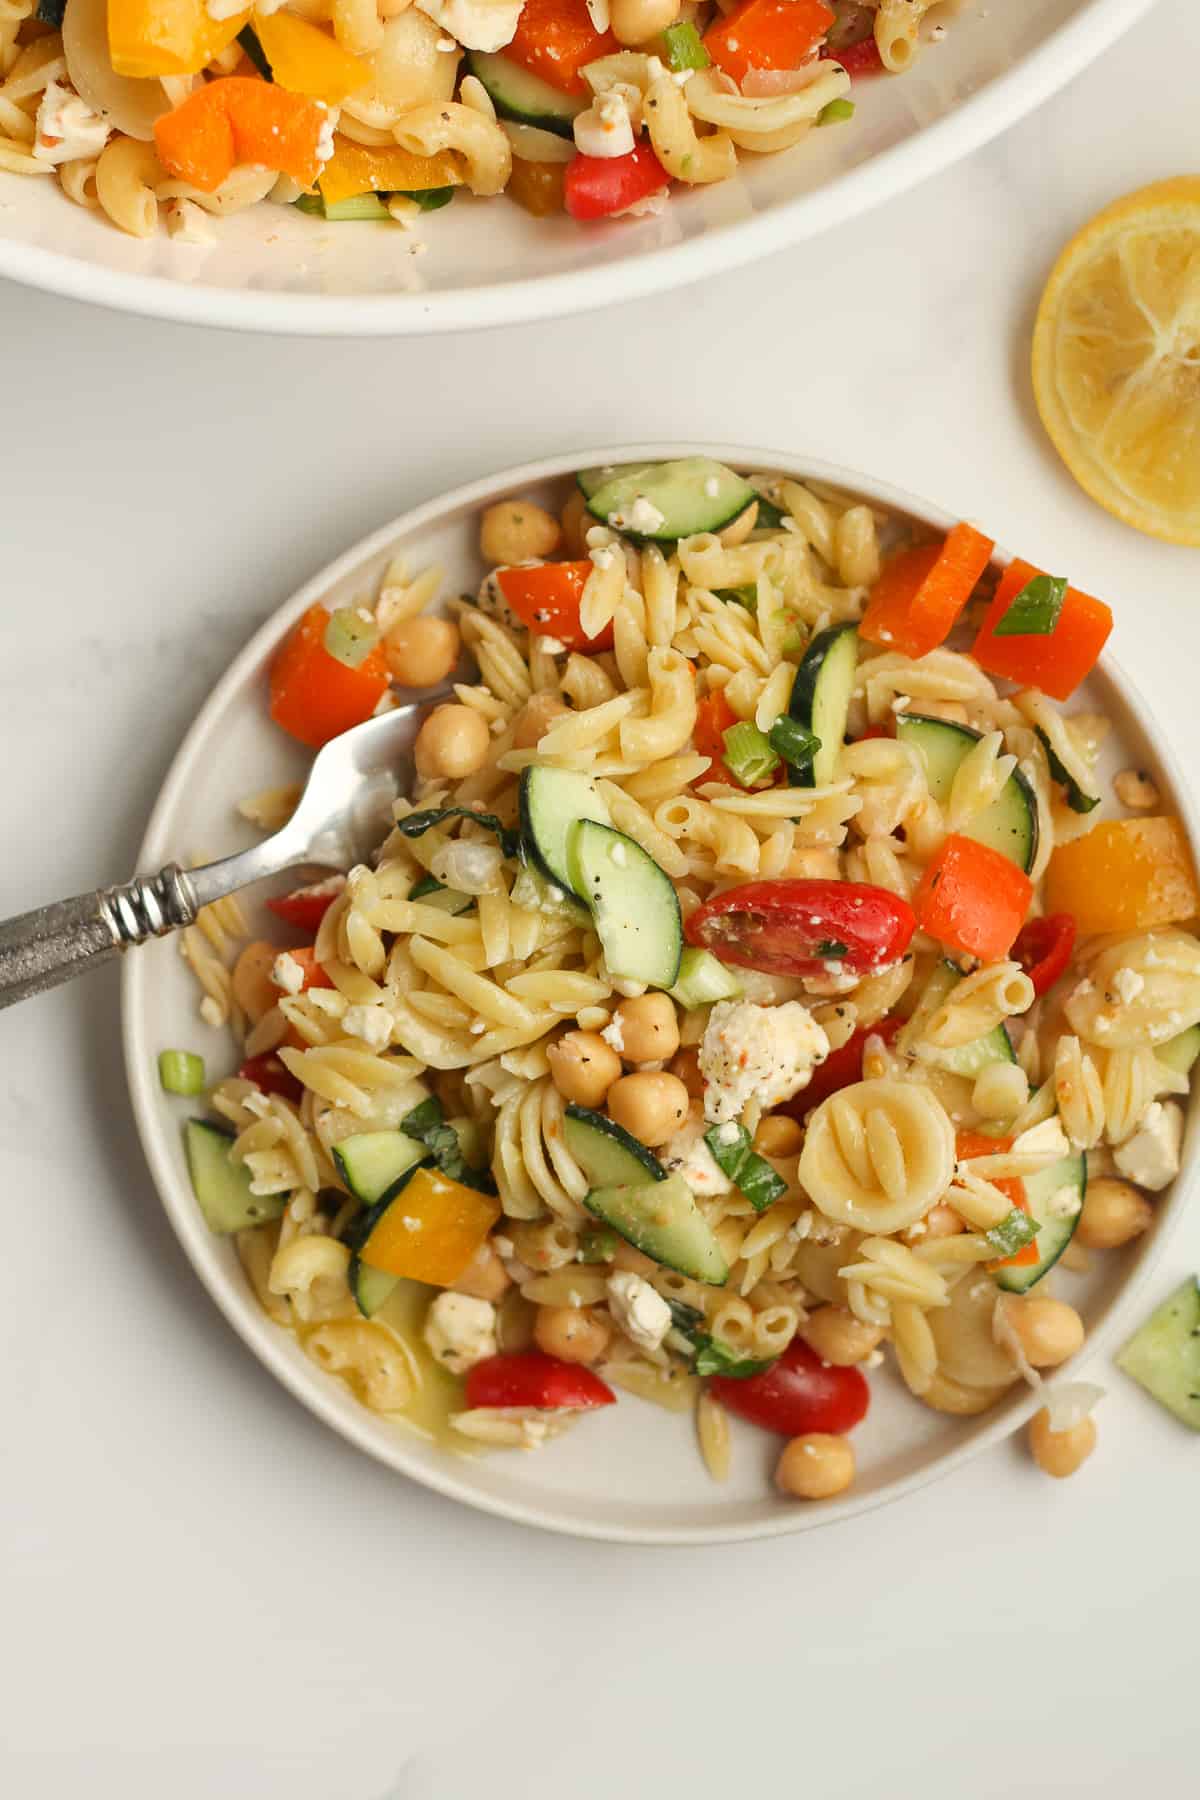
(265, 1339)
(1009, 97)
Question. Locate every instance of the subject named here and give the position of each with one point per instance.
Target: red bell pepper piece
(972, 899)
(862, 58)
(314, 974)
(714, 716)
(546, 599)
(596, 187)
(555, 39)
(973, 1143)
(305, 907)
(529, 1378)
(767, 34)
(1043, 949)
(268, 1074)
(841, 1068)
(1055, 661)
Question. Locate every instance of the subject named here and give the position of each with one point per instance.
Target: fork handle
(53, 944)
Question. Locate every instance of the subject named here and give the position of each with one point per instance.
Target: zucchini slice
(1010, 823)
(373, 1164)
(372, 1288)
(1163, 1355)
(608, 1154)
(518, 94)
(552, 802)
(221, 1186)
(662, 502)
(821, 699)
(662, 1220)
(634, 906)
(1179, 1053)
(1055, 1200)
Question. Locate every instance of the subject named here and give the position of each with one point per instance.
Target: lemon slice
(1116, 359)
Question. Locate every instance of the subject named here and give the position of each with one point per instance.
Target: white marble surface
(203, 1592)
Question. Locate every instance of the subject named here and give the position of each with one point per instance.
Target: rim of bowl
(1009, 97)
(265, 1339)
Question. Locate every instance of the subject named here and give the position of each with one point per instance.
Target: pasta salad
(744, 997)
(385, 109)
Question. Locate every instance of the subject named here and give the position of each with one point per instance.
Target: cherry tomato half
(841, 1068)
(802, 927)
(528, 1378)
(797, 1394)
(305, 907)
(1043, 949)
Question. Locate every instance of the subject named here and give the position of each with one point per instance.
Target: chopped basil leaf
(715, 1358)
(748, 754)
(416, 824)
(684, 48)
(1077, 799)
(427, 1125)
(1034, 612)
(50, 12)
(794, 742)
(247, 37)
(750, 1173)
(830, 949)
(740, 596)
(429, 199)
(685, 1318)
(1013, 1233)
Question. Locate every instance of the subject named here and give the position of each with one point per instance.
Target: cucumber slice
(1179, 1053)
(703, 978)
(517, 93)
(222, 1186)
(1055, 1199)
(552, 802)
(608, 1155)
(666, 501)
(1078, 798)
(980, 1053)
(662, 1220)
(634, 906)
(1163, 1356)
(372, 1288)
(374, 1163)
(1010, 823)
(432, 893)
(821, 698)
(590, 481)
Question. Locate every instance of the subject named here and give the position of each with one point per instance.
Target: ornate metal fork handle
(53, 944)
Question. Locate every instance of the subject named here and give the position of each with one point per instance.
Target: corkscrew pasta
(714, 1009)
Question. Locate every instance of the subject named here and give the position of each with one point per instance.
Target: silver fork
(343, 813)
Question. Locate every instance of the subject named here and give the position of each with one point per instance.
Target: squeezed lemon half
(1116, 359)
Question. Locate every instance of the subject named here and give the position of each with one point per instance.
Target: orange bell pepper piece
(1055, 661)
(555, 38)
(313, 695)
(434, 1232)
(314, 974)
(306, 60)
(973, 1143)
(546, 598)
(919, 596)
(387, 169)
(238, 120)
(767, 34)
(972, 899)
(1124, 875)
(149, 38)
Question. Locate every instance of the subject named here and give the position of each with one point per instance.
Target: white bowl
(634, 1473)
(490, 264)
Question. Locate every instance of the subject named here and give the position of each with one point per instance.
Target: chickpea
(1060, 1453)
(452, 743)
(253, 988)
(939, 1222)
(572, 1333)
(650, 1107)
(1113, 1212)
(649, 1028)
(421, 652)
(535, 719)
(1134, 789)
(636, 21)
(816, 863)
(815, 1466)
(838, 1337)
(686, 1066)
(777, 1135)
(1048, 1330)
(513, 531)
(583, 1067)
(484, 1276)
(577, 521)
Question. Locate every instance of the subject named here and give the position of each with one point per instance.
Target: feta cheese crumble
(187, 224)
(642, 516)
(373, 1024)
(639, 1310)
(460, 1331)
(1128, 984)
(688, 1155)
(67, 128)
(605, 128)
(287, 974)
(1150, 1158)
(476, 24)
(760, 1053)
(614, 1035)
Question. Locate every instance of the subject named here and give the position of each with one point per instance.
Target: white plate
(488, 263)
(633, 1473)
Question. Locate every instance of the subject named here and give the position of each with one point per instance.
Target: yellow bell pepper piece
(1124, 875)
(306, 60)
(432, 1229)
(147, 38)
(359, 169)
